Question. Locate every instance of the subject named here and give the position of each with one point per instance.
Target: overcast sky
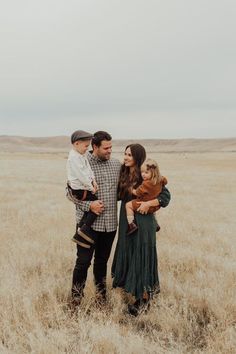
(136, 68)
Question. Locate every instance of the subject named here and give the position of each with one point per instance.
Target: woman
(135, 265)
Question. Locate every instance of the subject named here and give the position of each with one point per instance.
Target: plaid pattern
(107, 177)
(70, 196)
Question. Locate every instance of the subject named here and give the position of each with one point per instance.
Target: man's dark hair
(99, 136)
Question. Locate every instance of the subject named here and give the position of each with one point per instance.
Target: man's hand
(97, 207)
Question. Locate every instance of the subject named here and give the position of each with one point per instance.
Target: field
(196, 309)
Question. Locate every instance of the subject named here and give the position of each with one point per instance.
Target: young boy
(81, 184)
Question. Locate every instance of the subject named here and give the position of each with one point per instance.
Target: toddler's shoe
(83, 238)
(80, 241)
(132, 228)
(85, 233)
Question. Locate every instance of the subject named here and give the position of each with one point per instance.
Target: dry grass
(196, 310)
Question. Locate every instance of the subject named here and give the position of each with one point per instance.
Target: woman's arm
(164, 197)
(162, 200)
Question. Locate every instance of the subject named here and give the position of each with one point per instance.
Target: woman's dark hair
(134, 179)
(99, 136)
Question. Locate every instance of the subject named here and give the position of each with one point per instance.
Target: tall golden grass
(196, 309)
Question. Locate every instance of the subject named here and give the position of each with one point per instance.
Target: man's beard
(104, 157)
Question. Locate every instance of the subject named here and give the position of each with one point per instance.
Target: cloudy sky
(136, 68)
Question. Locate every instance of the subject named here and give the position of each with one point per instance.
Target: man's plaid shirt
(107, 176)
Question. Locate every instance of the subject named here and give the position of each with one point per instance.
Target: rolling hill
(62, 144)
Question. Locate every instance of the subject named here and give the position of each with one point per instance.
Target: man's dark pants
(101, 250)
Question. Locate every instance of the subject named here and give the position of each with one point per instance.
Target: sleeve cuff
(84, 206)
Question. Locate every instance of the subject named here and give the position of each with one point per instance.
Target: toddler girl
(150, 188)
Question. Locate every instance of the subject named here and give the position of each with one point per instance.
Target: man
(106, 171)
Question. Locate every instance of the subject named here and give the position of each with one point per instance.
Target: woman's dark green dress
(135, 265)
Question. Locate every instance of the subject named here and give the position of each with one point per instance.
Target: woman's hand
(144, 206)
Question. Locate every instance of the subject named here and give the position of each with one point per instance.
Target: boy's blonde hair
(151, 165)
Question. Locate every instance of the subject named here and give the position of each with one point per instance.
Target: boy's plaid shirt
(107, 176)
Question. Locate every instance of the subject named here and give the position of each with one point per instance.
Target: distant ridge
(62, 144)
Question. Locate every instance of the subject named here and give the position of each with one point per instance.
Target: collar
(95, 158)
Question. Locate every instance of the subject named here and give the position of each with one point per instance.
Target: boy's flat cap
(80, 135)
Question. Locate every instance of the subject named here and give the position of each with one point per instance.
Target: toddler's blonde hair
(152, 166)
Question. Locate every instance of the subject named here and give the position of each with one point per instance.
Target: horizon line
(131, 138)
